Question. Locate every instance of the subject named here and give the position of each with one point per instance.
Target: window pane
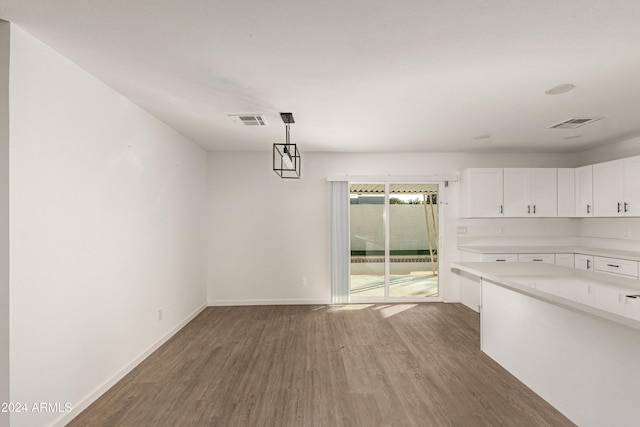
(367, 240)
(413, 240)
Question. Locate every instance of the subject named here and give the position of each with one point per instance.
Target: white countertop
(599, 295)
(541, 249)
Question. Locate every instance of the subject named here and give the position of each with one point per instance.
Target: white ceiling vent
(574, 123)
(248, 119)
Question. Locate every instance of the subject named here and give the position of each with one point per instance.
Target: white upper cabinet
(481, 193)
(632, 185)
(608, 188)
(584, 191)
(516, 197)
(530, 192)
(566, 192)
(605, 189)
(616, 188)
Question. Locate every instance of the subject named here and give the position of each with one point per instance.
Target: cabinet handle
(619, 204)
(626, 207)
(588, 264)
(534, 209)
(613, 265)
(501, 209)
(500, 260)
(537, 259)
(528, 209)
(588, 208)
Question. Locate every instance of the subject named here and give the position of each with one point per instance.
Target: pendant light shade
(286, 157)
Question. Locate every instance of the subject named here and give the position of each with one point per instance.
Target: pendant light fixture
(286, 157)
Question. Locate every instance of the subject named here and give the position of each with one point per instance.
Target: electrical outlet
(462, 230)
(303, 281)
(160, 315)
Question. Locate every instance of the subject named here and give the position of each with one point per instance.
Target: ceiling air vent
(574, 123)
(248, 119)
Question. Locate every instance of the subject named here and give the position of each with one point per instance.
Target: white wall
(407, 232)
(4, 218)
(265, 233)
(627, 148)
(108, 220)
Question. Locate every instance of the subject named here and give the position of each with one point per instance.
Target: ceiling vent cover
(248, 119)
(574, 123)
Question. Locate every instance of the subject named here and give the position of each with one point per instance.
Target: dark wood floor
(323, 366)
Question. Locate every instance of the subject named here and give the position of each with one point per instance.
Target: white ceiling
(361, 75)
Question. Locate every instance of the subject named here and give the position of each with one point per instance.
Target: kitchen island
(572, 336)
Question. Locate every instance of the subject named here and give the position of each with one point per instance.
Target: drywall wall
(4, 218)
(618, 150)
(267, 233)
(108, 220)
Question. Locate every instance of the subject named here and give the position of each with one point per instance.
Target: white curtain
(340, 256)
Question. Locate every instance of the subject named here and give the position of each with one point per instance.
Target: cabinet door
(516, 192)
(543, 192)
(500, 257)
(624, 267)
(548, 258)
(584, 262)
(584, 191)
(610, 298)
(608, 188)
(481, 193)
(566, 192)
(632, 186)
(565, 260)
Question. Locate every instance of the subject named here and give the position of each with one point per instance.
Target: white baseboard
(222, 303)
(83, 404)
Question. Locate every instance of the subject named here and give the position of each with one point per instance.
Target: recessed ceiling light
(557, 90)
(484, 136)
(572, 137)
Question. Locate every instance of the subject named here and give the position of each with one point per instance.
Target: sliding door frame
(387, 242)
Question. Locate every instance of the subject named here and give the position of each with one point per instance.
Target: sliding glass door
(394, 242)
(368, 240)
(413, 240)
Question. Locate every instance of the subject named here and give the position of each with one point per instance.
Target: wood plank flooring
(361, 365)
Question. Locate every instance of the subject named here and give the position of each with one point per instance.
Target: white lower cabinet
(632, 305)
(584, 262)
(600, 264)
(610, 298)
(565, 260)
(616, 266)
(576, 290)
(500, 257)
(548, 258)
